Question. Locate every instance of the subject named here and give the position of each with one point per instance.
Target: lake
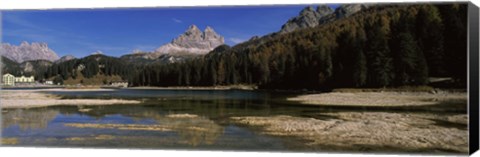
(176, 119)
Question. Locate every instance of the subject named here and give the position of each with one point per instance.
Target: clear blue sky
(116, 32)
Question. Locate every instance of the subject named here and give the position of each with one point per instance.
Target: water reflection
(191, 129)
(28, 119)
(180, 119)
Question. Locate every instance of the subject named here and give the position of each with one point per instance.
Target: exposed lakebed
(235, 120)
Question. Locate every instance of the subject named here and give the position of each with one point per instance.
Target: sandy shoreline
(336, 131)
(242, 87)
(378, 99)
(36, 98)
(369, 131)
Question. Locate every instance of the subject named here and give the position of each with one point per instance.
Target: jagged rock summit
(349, 9)
(26, 52)
(193, 41)
(65, 58)
(310, 17)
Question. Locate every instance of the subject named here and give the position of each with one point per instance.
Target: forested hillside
(90, 67)
(383, 46)
(36, 68)
(9, 66)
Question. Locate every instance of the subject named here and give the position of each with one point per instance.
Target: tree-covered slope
(10, 66)
(382, 46)
(91, 66)
(37, 68)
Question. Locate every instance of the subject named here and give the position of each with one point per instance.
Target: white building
(23, 79)
(10, 80)
(120, 84)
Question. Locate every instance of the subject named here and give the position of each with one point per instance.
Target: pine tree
(378, 53)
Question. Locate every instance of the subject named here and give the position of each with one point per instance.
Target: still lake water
(166, 119)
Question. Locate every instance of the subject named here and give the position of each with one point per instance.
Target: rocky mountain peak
(324, 10)
(308, 17)
(24, 43)
(254, 38)
(307, 10)
(138, 51)
(349, 9)
(98, 52)
(214, 39)
(28, 51)
(208, 29)
(193, 32)
(193, 28)
(65, 58)
(193, 41)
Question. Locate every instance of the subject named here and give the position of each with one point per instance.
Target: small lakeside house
(120, 84)
(10, 80)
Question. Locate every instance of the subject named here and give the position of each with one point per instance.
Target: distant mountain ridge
(311, 17)
(9, 66)
(27, 52)
(33, 66)
(65, 58)
(189, 44)
(36, 68)
(333, 51)
(308, 17)
(193, 41)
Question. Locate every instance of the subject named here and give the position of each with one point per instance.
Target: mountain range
(323, 45)
(311, 17)
(28, 51)
(65, 58)
(191, 43)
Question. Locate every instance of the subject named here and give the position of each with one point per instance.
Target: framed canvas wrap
(352, 77)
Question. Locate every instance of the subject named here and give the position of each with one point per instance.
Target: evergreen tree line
(379, 47)
(17, 69)
(89, 67)
(40, 67)
(11, 67)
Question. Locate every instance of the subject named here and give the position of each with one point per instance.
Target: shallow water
(171, 119)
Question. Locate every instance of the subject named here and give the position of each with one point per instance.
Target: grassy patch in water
(9, 141)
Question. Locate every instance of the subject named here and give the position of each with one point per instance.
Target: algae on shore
(9, 141)
(379, 99)
(36, 98)
(361, 131)
(192, 129)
